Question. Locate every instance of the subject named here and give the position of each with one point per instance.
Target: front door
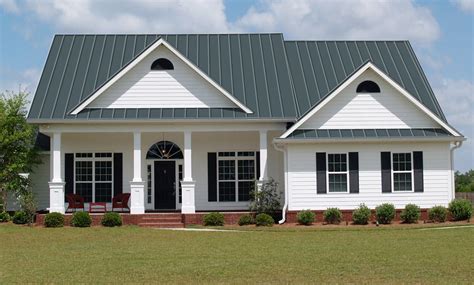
(165, 191)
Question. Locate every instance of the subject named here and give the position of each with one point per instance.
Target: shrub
(81, 220)
(28, 205)
(332, 216)
(111, 219)
(54, 220)
(385, 213)
(438, 214)
(410, 214)
(246, 220)
(461, 209)
(361, 215)
(267, 200)
(214, 219)
(4, 217)
(20, 218)
(305, 217)
(264, 220)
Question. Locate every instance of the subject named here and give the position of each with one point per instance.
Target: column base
(56, 197)
(137, 197)
(260, 184)
(188, 206)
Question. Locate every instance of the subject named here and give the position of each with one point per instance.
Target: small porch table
(97, 207)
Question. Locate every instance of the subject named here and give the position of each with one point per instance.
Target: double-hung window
(402, 172)
(337, 173)
(236, 175)
(94, 176)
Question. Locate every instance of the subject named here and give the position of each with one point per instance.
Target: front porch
(163, 170)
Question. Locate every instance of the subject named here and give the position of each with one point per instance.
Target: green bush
(332, 216)
(411, 214)
(305, 217)
(246, 220)
(4, 217)
(111, 219)
(20, 218)
(438, 214)
(264, 220)
(385, 213)
(214, 219)
(461, 209)
(267, 200)
(81, 220)
(361, 215)
(54, 220)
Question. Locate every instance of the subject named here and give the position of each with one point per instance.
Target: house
(189, 122)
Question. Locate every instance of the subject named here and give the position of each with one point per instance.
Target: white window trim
(151, 162)
(235, 158)
(402, 171)
(93, 159)
(338, 172)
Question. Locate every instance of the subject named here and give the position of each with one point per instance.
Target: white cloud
(358, 19)
(465, 5)
(14, 80)
(10, 6)
(139, 16)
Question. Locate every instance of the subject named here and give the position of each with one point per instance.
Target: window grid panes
(236, 175)
(148, 184)
(93, 176)
(337, 173)
(402, 172)
(180, 178)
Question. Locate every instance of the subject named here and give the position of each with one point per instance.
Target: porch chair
(74, 202)
(120, 201)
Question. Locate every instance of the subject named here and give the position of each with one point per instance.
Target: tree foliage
(267, 200)
(464, 181)
(17, 145)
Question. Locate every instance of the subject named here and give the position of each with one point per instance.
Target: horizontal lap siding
(302, 176)
(178, 88)
(388, 109)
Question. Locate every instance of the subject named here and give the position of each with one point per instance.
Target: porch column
(263, 159)
(137, 185)
(56, 185)
(188, 184)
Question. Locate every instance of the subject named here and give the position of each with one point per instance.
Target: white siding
(387, 109)
(178, 88)
(302, 176)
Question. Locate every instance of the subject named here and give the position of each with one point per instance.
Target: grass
(274, 255)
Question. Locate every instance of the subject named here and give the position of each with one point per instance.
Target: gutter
(285, 163)
(456, 145)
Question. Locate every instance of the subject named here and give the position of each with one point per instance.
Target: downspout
(285, 166)
(456, 145)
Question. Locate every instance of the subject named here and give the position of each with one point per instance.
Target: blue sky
(442, 33)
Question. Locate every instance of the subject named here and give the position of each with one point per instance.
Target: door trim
(151, 162)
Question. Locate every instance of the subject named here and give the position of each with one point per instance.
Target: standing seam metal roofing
(276, 79)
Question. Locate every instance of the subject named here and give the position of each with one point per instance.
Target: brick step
(162, 219)
(164, 215)
(161, 225)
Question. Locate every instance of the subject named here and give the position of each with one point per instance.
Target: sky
(441, 32)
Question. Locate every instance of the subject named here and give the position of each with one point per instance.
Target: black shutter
(118, 173)
(386, 166)
(69, 173)
(212, 177)
(418, 170)
(321, 172)
(257, 158)
(354, 172)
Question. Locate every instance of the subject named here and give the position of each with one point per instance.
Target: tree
(18, 154)
(464, 182)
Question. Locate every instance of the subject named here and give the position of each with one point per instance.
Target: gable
(181, 87)
(352, 110)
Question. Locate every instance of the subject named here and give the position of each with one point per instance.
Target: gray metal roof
(366, 133)
(276, 79)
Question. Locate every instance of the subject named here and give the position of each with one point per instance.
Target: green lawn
(278, 255)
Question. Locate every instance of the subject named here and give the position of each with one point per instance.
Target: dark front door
(165, 192)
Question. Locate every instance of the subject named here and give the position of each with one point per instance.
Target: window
(148, 184)
(236, 175)
(402, 172)
(162, 64)
(368, 87)
(180, 178)
(164, 150)
(337, 173)
(94, 176)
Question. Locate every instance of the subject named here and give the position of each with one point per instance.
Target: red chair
(120, 201)
(74, 202)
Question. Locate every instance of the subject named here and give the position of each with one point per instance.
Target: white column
(263, 159)
(137, 185)
(56, 186)
(188, 184)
